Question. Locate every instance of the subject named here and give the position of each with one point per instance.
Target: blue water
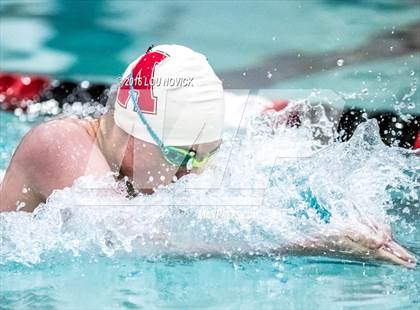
(68, 40)
(132, 283)
(67, 257)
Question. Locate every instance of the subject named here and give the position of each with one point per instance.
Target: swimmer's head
(169, 108)
(177, 92)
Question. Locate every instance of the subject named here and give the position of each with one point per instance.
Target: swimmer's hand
(376, 244)
(288, 116)
(275, 106)
(381, 247)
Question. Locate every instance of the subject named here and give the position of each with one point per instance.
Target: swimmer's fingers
(275, 106)
(392, 252)
(289, 113)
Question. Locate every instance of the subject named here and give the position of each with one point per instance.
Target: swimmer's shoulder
(67, 125)
(51, 156)
(51, 139)
(60, 146)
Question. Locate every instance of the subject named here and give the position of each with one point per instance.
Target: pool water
(184, 247)
(132, 283)
(86, 249)
(89, 250)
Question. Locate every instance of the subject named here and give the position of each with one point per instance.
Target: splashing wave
(262, 193)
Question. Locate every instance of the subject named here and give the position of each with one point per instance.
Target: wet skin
(51, 156)
(56, 153)
(375, 243)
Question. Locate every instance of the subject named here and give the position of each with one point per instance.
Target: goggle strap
(142, 118)
(164, 149)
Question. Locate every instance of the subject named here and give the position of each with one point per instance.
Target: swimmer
(166, 122)
(172, 130)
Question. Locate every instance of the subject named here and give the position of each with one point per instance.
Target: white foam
(252, 203)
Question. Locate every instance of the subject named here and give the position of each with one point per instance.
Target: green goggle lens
(180, 157)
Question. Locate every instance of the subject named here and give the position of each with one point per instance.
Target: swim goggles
(174, 155)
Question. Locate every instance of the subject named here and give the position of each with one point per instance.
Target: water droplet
(84, 84)
(26, 80)
(18, 112)
(20, 205)
(269, 75)
(340, 62)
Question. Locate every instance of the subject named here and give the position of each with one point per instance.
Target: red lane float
(16, 89)
(417, 142)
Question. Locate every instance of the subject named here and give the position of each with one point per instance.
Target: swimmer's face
(148, 169)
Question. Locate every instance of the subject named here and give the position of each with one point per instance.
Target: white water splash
(250, 204)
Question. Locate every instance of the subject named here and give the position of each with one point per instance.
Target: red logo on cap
(143, 73)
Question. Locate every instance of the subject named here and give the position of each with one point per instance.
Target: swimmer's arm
(51, 156)
(15, 191)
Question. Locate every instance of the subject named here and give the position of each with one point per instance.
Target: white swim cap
(178, 93)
